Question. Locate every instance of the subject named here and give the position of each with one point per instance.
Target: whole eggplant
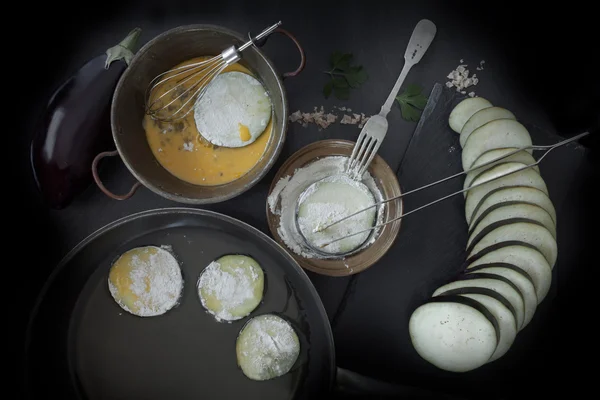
(75, 126)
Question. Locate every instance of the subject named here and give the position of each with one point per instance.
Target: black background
(542, 59)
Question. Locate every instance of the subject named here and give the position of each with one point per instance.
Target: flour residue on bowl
(283, 198)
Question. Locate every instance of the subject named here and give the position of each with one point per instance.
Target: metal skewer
(548, 148)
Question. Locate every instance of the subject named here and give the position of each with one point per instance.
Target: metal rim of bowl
(259, 174)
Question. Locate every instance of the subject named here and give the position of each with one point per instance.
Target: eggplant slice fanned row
(517, 229)
(454, 333)
(511, 210)
(511, 248)
(481, 118)
(520, 279)
(493, 282)
(526, 194)
(500, 308)
(522, 157)
(494, 135)
(521, 255)
(526, 177)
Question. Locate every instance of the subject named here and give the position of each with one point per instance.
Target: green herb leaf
(335, 58)
(361, 75)
(343, 76)
(342, 93)
(327, 89)
(413, 90)
(412, 101)
(419, 101)
(409, 113)
(343, 63)
(340, 83)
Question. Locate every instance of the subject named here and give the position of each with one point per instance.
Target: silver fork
(374, 131)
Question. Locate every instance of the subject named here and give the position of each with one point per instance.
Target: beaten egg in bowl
(183, 151)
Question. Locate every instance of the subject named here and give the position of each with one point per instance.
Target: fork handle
(387, 106)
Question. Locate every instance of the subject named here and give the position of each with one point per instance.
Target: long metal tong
(548, 149)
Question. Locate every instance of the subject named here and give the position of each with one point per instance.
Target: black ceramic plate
(81, 344)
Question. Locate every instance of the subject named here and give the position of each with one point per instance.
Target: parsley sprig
(412, 102)
(343, 76)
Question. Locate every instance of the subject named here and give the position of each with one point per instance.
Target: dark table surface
(369, 312)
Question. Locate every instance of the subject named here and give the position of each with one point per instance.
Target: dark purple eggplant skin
(73, 129)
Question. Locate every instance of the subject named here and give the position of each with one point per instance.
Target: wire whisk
(548, 149)
(190, 82)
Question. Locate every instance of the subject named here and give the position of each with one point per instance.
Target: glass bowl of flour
(315, 162)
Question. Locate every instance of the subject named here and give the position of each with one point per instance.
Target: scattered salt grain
(460, 78)
(296, 116)
(346, 119)
(188, 146)
(325, 119)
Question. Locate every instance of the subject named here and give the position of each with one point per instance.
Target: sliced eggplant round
(500, 308)
(520, 279)
(521, 255)
(267, 347)
(526, 177)
(481, 118)
(497, 134)
(524, 194)
(510, 210)
(499, 284)
(454, 333)
(464, 110)
(516, 229)
(522, 157)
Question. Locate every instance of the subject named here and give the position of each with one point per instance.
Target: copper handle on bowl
(101, 185)
(300, 50)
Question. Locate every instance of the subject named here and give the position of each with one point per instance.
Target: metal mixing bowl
(160, 54)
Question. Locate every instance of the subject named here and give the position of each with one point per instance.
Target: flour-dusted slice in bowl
(146, 281)
(526, 177)
(500, 308)
(231, 287)
(497, 134)
(454, 333)
(524, 194)
(520, 279)
(329, 200)
(522, 157)
(234, 111)
(481, 118)
(464, 110)
(267, 347)
(523, 256)
(498, 284)
(509, 210)
(517, 229)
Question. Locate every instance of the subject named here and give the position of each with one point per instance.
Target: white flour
(157, 283)
(282, 200)
(233, 100)
(230, 289)
(332, 199)
(269, 347)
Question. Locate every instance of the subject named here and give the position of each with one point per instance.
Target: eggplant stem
(123, 50)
